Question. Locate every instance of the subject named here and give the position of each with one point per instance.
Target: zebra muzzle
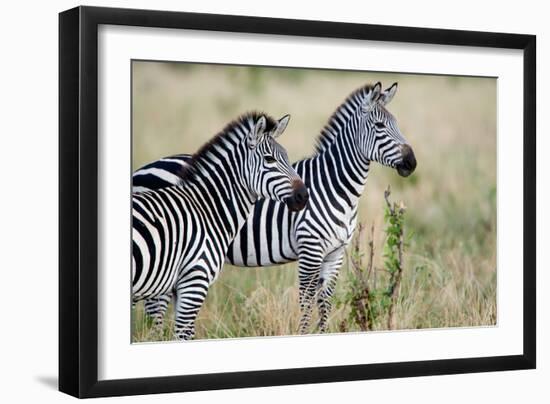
(299, 197)
(408, 161)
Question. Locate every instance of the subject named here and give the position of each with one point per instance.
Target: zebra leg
(156, 309)
(191, 292)
(308, 276)
(327, 284)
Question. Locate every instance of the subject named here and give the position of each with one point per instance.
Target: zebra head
(380, 137)
(270, 174)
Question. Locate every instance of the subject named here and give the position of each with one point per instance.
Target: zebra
(361, 130)
(180, 233)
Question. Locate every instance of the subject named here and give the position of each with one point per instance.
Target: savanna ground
(449, 276)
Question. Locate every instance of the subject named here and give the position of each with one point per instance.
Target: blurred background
(449, 276)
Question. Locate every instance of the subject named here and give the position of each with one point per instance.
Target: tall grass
(450, 274)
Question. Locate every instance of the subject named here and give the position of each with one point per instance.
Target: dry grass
(450, 272)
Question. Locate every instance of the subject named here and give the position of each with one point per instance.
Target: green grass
(450, 275)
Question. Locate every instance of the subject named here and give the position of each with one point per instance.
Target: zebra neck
(226, 202)
(345, 166)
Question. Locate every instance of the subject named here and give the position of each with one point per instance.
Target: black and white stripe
(361, 130)
(181, 232)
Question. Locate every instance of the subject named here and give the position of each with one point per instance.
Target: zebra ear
(371, 98)
(257, 131)
(387, 94)
(281, 126)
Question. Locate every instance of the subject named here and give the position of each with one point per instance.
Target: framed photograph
(249, 201)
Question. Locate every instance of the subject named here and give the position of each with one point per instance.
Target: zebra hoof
(185, 335)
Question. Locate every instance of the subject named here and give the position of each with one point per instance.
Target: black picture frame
(78, 200)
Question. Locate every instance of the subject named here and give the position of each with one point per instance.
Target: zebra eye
(379, 125)
(269, 159)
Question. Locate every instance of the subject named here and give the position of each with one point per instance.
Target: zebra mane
(246, 120)
(330, 130)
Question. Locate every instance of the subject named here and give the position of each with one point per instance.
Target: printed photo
(275, 201)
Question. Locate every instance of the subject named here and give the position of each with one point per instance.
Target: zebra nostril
(405, 150)
(407, 154)
(301, 195)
